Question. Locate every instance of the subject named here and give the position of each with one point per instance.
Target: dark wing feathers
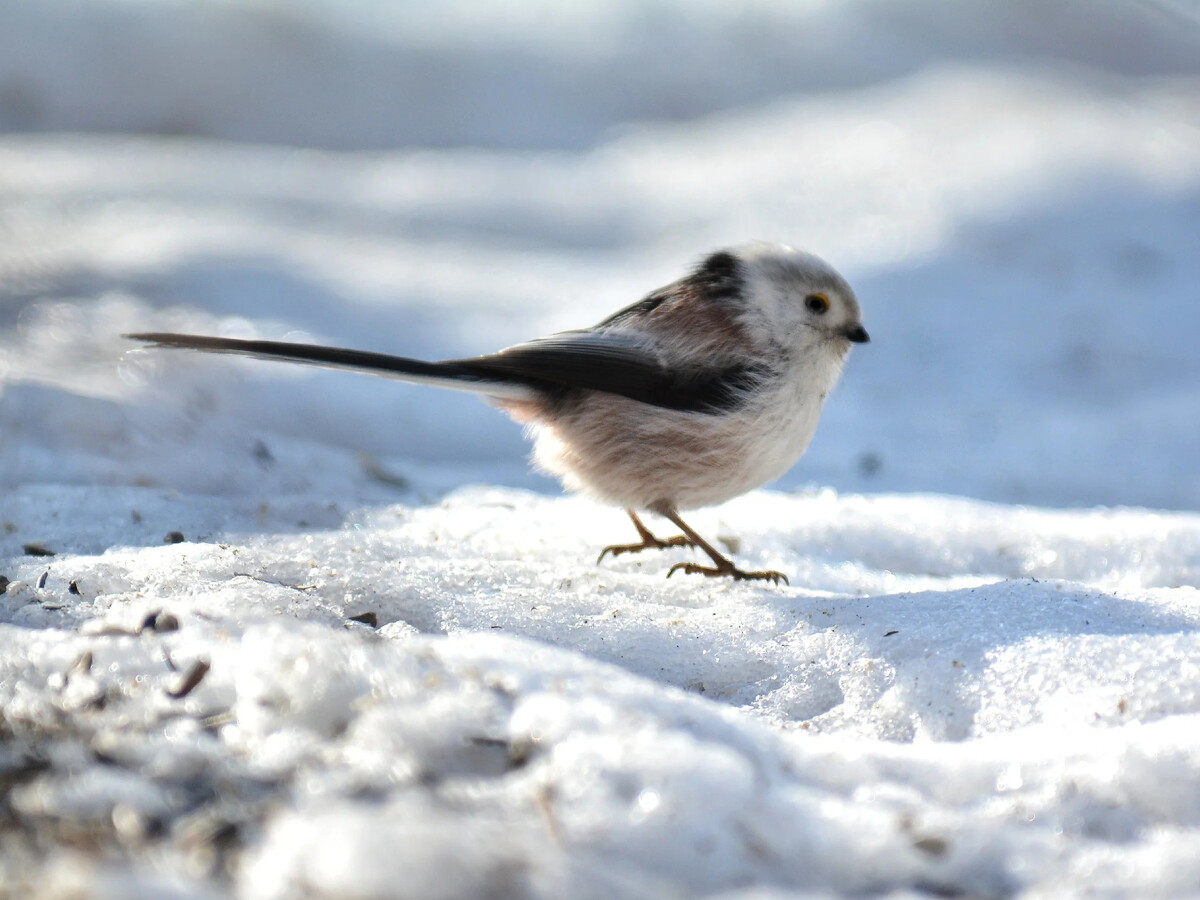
(573, 360)
(603, 361)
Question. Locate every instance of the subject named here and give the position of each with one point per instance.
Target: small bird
(707, 388)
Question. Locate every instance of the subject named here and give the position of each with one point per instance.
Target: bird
(705, 389)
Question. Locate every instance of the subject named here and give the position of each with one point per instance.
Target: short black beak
(858, 334)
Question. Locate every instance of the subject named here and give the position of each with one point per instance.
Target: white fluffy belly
(647, 458)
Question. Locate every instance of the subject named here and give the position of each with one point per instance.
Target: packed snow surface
(268, 631)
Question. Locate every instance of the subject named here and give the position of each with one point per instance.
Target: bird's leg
(649, 541)
(721, 564)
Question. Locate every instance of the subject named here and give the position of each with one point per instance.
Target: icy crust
(524, 722)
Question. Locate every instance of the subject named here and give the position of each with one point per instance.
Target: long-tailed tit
(705, 389)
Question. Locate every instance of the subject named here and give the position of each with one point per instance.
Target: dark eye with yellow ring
(817, 303)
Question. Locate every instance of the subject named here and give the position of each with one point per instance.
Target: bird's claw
(731, 570)
(652, 543)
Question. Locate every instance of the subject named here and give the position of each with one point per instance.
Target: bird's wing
(617, 364)
(555, 365)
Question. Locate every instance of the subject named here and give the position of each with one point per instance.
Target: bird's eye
(817, 303)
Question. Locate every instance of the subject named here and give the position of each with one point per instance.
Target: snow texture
(267, 631)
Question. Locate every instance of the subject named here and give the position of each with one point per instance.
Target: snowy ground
(378, 657)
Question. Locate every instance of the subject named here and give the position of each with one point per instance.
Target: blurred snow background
(992, 694)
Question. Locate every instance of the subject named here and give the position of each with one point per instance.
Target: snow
(311, 634)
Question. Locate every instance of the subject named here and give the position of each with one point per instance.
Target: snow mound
(456, 700)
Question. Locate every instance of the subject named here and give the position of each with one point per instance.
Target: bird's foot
(728, 569)
(649, 542)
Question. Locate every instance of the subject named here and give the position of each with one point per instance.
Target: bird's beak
(858, 334)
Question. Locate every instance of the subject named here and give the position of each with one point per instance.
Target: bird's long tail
(454, 374)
